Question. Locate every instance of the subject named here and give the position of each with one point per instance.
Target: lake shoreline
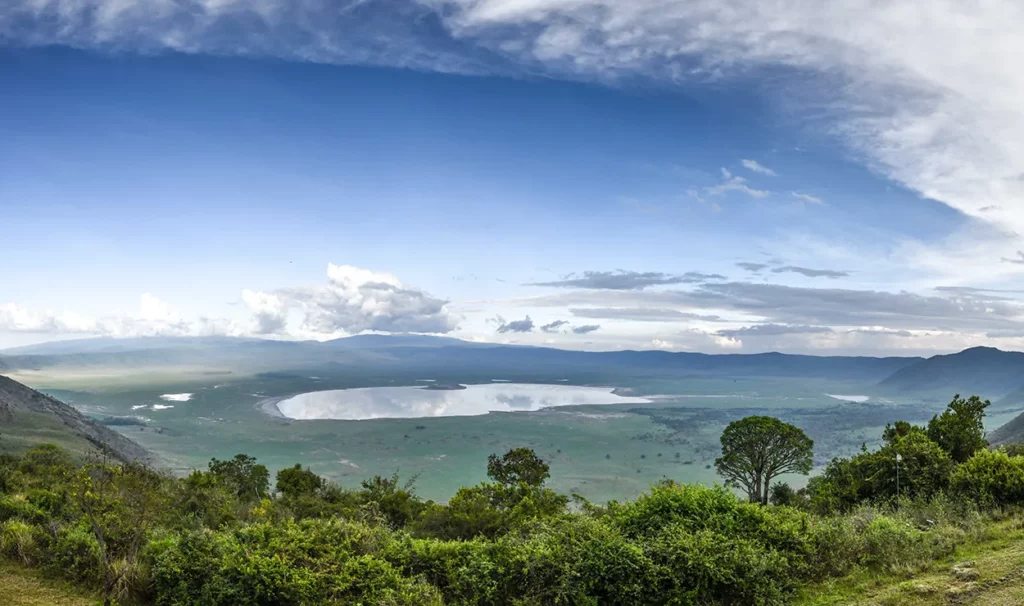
(416, 402)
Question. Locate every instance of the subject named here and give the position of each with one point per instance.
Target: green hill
(28, 418)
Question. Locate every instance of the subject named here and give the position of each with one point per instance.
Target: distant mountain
(388, 341)
(110, 345)
(390, 354)
(118, 345)
(28, 417)
(984, 371)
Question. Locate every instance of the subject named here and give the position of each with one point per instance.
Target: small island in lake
(444, 387)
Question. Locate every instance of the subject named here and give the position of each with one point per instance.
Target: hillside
(988, 372)
(28, 417)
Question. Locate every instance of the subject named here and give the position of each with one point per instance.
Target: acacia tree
(757, 449)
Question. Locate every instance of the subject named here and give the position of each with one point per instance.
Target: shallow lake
(417, 402)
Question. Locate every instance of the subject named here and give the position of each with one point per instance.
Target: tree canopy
(249, 479)
(518, 466)
(960, 429)
(757, 449)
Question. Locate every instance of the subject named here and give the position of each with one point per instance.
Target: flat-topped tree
(757, 449)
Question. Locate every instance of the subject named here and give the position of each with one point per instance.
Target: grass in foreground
(25, 587)
(994, 576)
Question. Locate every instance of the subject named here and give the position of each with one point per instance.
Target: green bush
(991, 478)
(18, 507)
(75, 555)
(214, 539)
(20, 540)
(706, 566)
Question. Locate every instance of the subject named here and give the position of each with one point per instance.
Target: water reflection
(412, 402)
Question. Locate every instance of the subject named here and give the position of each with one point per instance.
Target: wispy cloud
(752, 267)
(735, 183)
(924, 98)
(554, 326)
(586, 329)
(524, 325)
(773, 330)
(627, 280)
(641, 314)
(806, 198)
(1018, 260)
(811, 273)
(757, 167)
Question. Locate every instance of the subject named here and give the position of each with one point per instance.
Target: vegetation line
(224, 536)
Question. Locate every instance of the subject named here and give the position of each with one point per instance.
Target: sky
(728, 176)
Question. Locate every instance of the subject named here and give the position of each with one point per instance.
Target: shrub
(75, 555)
(991, 478)
(19, 540)
(706, 566)
(296, 481)
(18, 507)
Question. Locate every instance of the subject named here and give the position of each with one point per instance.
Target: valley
(188, 400)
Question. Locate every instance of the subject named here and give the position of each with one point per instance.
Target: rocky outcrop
(15, 397)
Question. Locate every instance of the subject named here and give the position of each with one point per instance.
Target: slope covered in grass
(20, 586)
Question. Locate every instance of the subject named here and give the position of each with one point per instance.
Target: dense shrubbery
(222, 536)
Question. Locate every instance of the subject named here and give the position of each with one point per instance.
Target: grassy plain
(601, 452)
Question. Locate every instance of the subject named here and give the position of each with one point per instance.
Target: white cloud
(735, 183)
(153, 318)
(757, 167)
(353, 300)
(806, 197)
(269, 312)
(20, 319)
(356, 300)
(923, 90)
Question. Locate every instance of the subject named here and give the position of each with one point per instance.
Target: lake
(418, 402)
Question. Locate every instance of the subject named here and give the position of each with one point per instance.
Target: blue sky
(732, 176)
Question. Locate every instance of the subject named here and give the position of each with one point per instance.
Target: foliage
(218, 537)
(960, 429)
(783, 494)
(518, 466)
(924, 470)
(991, 478)
(757, 449)
(248, 479)
(298, 482)
(395, 503)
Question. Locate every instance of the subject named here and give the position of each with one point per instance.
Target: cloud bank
(353, 300)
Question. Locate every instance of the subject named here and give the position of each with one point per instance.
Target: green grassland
(601, 452)
(20, 586)
(27, 429)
